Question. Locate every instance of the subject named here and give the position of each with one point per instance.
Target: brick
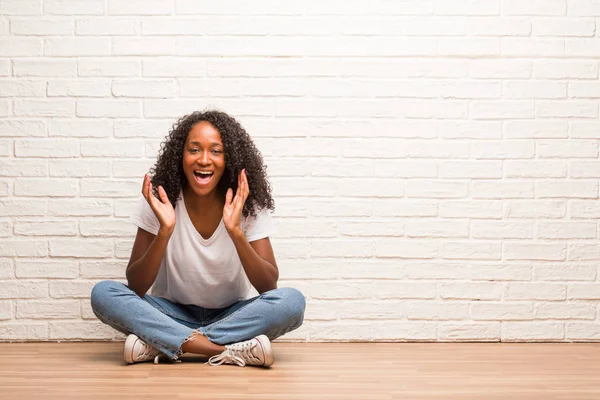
(563, 27)
(24, 331)
(536, 209)
(140, 7)
(121, 148)
(570, 310)
(30, 187)
(435, 270)
(490, 271)
(566, 230)
(108, 108)
(23, 248)
(501, 230)
(107, 26)
(534, 251)
(108, 67)
(7, 268)
(131, 169)
(470, 169)
(584, 209)
(535, 169)
(565, 69)
(147, 46)
(22, 207)
(72, 88)
(565, 109)
(23, 289)
(77, 46)
(44, 268)
(503, 311)
(583, 291)
(583, 8)
(512, 109)
(346, 208)
(172, 66)
(436, 310)
(102, 269)
(465, 331)
(535, 90)
(567, 189)
(45, 228)
(535, 291)
(536, 129)
(6, 312)
(582, 331)
(400, 169)
(124, 208)
(22, 128)
(583, 252)
(500, 69)
(42, 27)
(532, 47)
(144, 89)
(432, 228)
(471, 209)
(74, 330)
(21, 7)
(406, 248)
(74, 7)
(43, 67)
(22, 88)
(468, 7)
(79, 207)
(44, 108)
(106, 228)
(509, 189)
(17, 168)
(81, 248)
(535, 7)
(504, 26)
(79, 128)
(564, 272)
(532, 331)
(346, 247)
(471, 250)
(141, 129)
(314, 187)
(470, 290)
(436, 189)
(65, 309)
(404, 208)
(20, 47)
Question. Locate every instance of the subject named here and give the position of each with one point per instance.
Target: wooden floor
(309, 371)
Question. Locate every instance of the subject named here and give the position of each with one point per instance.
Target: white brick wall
(435, 162)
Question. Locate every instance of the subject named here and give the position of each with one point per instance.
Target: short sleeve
(259, 227)
(143, 217)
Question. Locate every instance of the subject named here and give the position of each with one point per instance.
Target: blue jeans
(166, 325)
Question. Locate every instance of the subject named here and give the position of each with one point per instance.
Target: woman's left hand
(232, 211)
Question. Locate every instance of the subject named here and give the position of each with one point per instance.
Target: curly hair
(240, 153)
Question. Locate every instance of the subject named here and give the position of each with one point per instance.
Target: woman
(202, 243)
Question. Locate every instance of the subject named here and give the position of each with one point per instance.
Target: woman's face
(203, 158)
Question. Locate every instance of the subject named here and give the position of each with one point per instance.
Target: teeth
(203, 173)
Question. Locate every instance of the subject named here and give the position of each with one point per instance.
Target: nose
(204, 158)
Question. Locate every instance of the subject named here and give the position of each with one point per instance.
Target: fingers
(228, 196)
(163, 195)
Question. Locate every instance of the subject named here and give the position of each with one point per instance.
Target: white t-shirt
(203, 272)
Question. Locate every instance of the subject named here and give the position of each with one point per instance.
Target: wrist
(165, 232)
(235, 233)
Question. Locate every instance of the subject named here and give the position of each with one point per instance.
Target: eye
(193, 150)
(217, 151)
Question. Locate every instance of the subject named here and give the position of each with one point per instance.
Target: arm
(148, 249)
(144, 263)
(258, 261)
(257, 257)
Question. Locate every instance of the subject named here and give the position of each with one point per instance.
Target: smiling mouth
(203, 177)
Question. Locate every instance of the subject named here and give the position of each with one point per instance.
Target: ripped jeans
(166, 325)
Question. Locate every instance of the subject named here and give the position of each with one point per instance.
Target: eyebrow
(200, 144)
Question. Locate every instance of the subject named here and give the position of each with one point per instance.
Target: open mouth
(203, 177)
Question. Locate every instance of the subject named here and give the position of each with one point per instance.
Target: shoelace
(238, 353)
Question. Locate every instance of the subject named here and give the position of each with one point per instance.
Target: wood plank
(95, 370)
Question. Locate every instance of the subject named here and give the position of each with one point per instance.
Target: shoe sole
(128, 349)
(265, 344)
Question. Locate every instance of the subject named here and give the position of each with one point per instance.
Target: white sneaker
(255, 351)
(136, 350)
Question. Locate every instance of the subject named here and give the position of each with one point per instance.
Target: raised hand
(162, 208)
(232, 211)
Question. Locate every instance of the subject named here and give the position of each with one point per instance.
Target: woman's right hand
(162, 208)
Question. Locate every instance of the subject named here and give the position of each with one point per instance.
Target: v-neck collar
(188, 220)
